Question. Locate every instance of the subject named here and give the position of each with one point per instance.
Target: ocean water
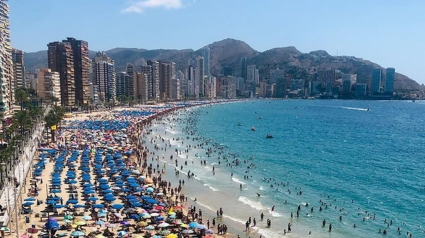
(361, 161)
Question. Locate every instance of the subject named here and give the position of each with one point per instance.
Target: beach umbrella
(58, 206)
(122, 233)
(50, 202)
(193, 224)
(154, 214)
(112, 225)
(171, 236)
(164, 232)
(142, 223)
(28, 204)
(187, 231)
(72, 182)
(79, 206)
(201, 227)
(100, 222)
(117, 206)
(145, 215)
(77, 233)
(68, 217)
(125, 223)
(136, 204)
(80, 223)
(164, 224)
(209, 231)
(29, 199)
(150, 227)
(92, 198)
(87, 218)
(67, 221)
(72, 201)
(149, 190)
(4, 228)
(98, 206)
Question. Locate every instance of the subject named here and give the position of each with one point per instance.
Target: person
(330, 227)
(262, 216)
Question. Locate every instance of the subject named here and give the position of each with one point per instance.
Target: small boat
(269, 136)
(259, 117)
(252, 128)
(239, 124)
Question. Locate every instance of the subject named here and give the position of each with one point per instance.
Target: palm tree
(21, 119)
(21, 95)
(54, 116)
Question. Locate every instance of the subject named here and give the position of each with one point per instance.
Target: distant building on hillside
(389, 80)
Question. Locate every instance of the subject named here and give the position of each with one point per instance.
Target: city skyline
(385, 32)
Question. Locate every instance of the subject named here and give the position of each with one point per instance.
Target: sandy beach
(88, 221)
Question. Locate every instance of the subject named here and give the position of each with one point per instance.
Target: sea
(358, 165)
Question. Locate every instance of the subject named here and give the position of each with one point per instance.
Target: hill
(228, 52)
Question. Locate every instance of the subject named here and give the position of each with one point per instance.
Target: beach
(67, 173)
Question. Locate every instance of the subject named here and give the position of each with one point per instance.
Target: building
(166, 77)
(389, 80)
(80, 53)
(31, 80)
(48, 86)
(172, 84)
(6, 65)
(61, 60)
(280, 87)
(200, 76)
(142, 88)
(243, 68)
(206, 54)
(227, 71)
(253, 78)
(240, 86)
(104, 77)
(376, 80)
(192, 83)
(131, 71)
(122, 84)
(228, 87)
(18, 69)
(154, 79)
(276, 74)
(361, 90)
(147, 71)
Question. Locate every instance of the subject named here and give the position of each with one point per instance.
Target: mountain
(228, 52)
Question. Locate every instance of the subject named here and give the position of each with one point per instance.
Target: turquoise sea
(361, 161)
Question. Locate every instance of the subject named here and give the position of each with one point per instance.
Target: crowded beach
(96, 179)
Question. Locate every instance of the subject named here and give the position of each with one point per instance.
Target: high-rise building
(200, 75)
(18, 68)
(142, 87)
(131, 71)
(61, 60)
(155, 79)
(192, 85)
(206, 54)
(164, 82)
(228, 87)
(104, 77)
(243, 68)
(6, 64)
(171, 81)
(80, 51)
(389, 80)
(253, 77)
(147, 71)
(276, 74)
(122, 82)
(48, 86)
(280, 87)
(376, 80)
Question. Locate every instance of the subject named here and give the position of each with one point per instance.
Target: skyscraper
(200, 75)
(6, 65)
(155, 79)
(206, 53)
(376, 80)
(61, 60)
(80, 51)
(18, 68)
(163, 80)
(147, 71)
(243, 68)
(104, 77)
(131, 71)
(122, 84)
(389, 80)
(142, 87)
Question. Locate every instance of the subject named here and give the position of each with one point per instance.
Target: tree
(21, 95)
(21, 119)
(54, 116)
(122, 99)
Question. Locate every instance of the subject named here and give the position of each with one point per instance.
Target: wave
(237, 181)
(172, 132)
(356, 108)
(275, 214)
(210, 187)
(262, 188)
(256, 205)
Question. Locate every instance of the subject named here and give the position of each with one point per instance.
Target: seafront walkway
(10, 196)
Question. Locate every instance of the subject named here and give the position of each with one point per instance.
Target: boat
(252, 128)
(259, 118)
(269, 136)
(239, 124)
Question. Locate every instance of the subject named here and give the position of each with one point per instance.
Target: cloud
(141, 6)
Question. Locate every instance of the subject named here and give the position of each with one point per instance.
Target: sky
(388, 32)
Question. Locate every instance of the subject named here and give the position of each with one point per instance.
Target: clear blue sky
(388, 32)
